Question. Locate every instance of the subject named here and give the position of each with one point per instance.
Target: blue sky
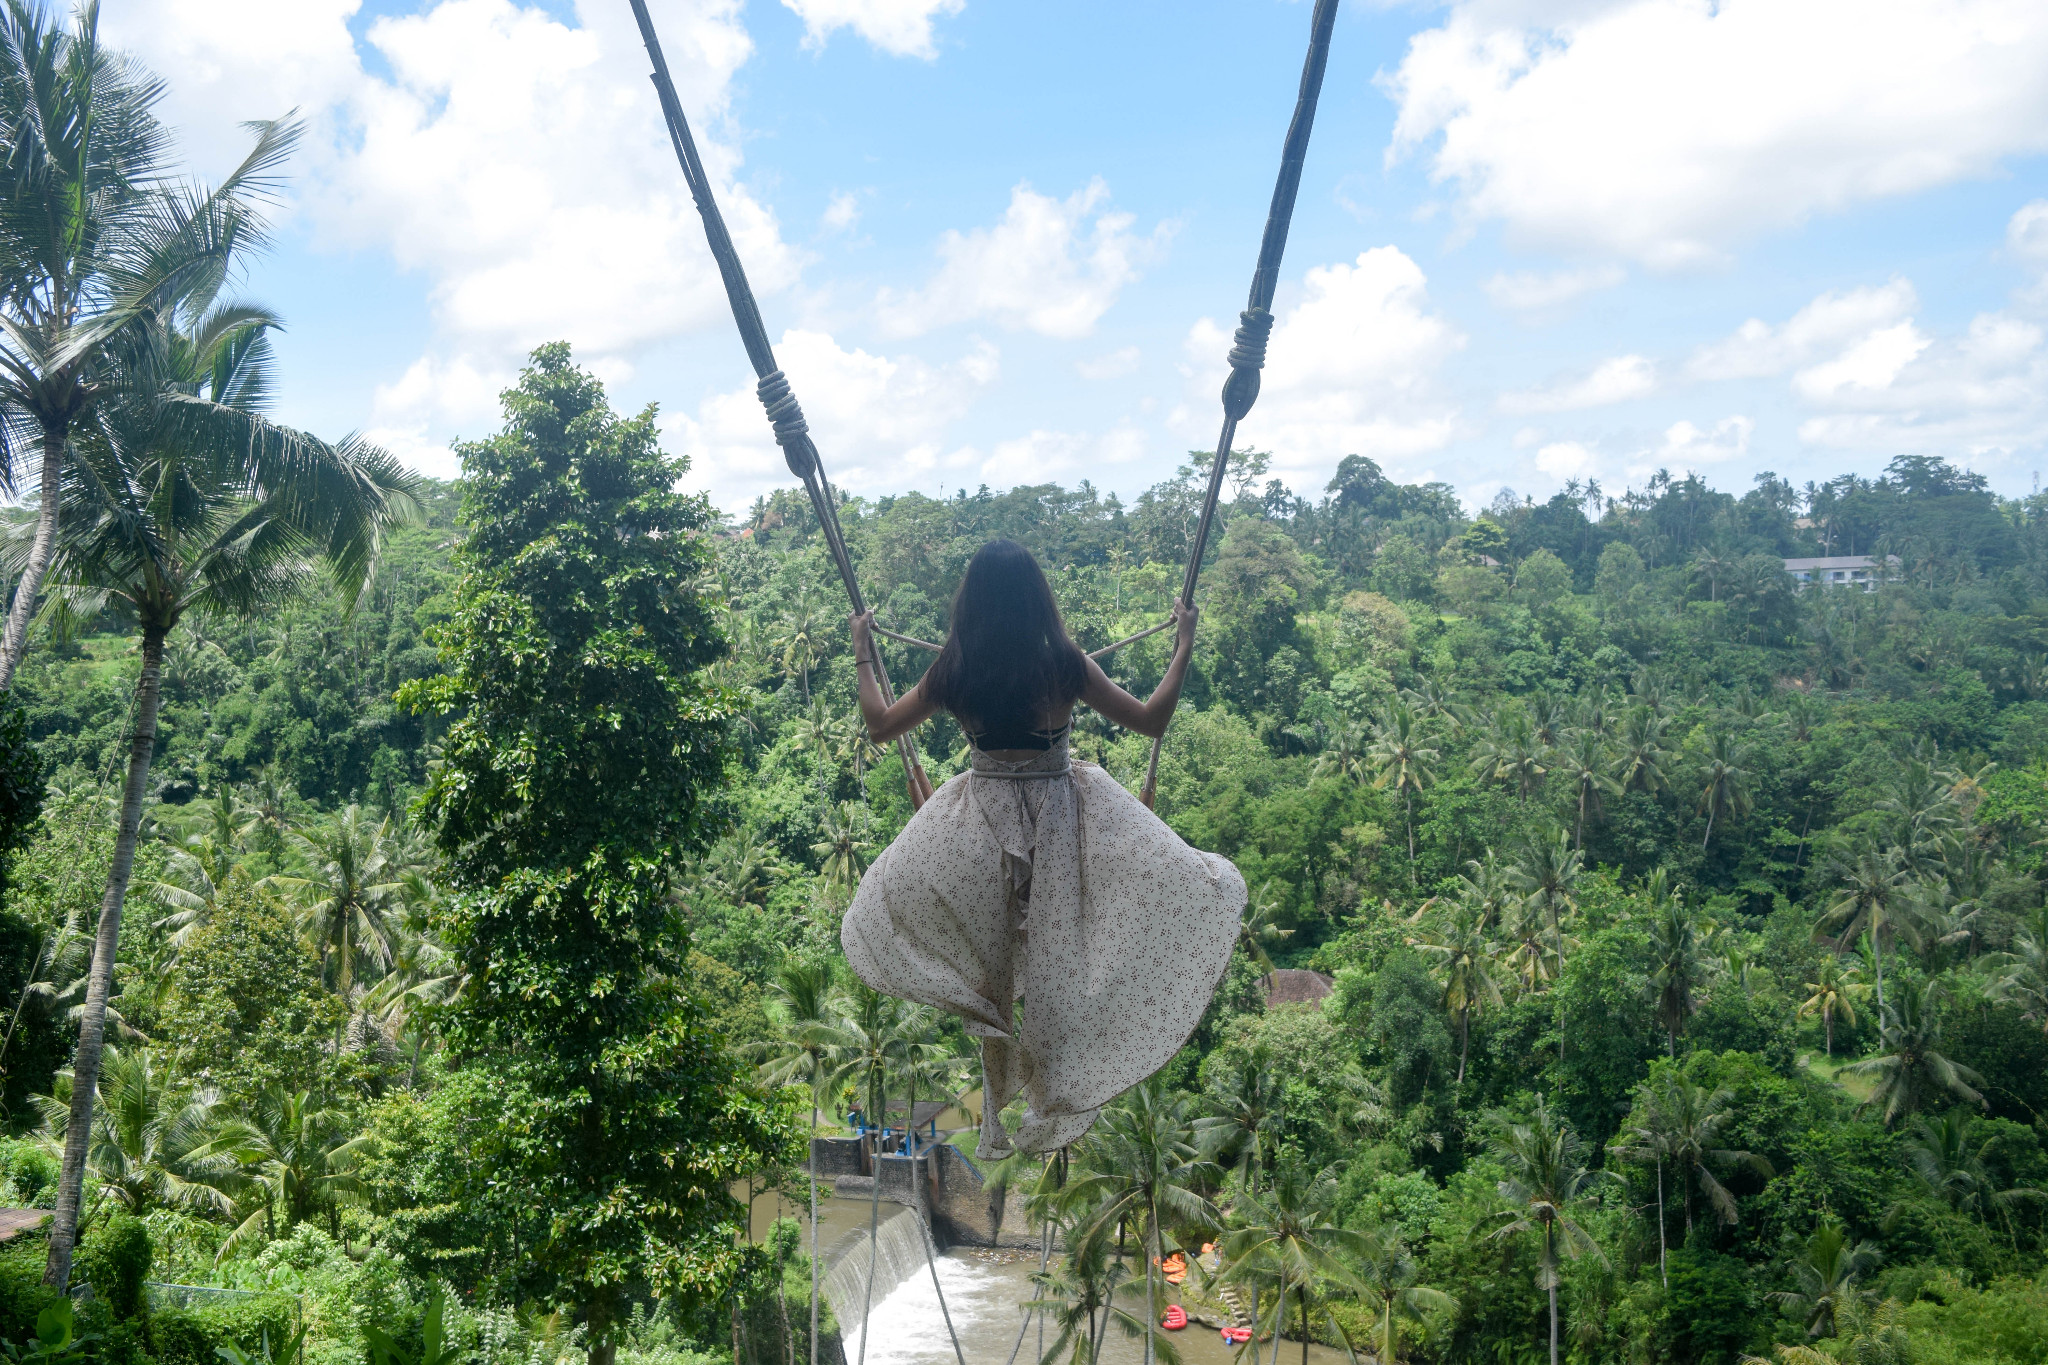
(1003, 243)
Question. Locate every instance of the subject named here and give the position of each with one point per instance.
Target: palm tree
(1390, 1275)
(1583, 761)
(1464, 952)
(1290, 1236)
(85, 246)
(1639, 754)
(1346, 754)
(1827, 1269)
(1244, 1116)
(1724, 782)
(1949, 1161)
(351, 894)
(1835, 989)
(1258, 928)
(144, 1136)
(1403, 758)
(1079, 1295)
(1710, 566)
(1140, 1167)
(845, 848)
(803, 641)
(183, 499)
(1546, 1177)
(1509, 753)
(2020, 977)
(801, 1005)
(1678, 943)
(1873, 899)
(1546, 873)
(291, 1159)
(1909, 1066)
(1683, 1122)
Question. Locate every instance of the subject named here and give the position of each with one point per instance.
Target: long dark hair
(1008, 657)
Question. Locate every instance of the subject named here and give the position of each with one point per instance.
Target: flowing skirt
(1046, 882)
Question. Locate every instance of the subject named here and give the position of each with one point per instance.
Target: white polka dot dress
(1045, 881)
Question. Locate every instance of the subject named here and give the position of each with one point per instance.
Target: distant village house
(1861, 571)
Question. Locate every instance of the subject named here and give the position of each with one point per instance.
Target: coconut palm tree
(1640, 757)
(1346, 754)
(1404, 759)
(1079, 1294)
(2020, 977)
(1874, 898)
(1827, 1269)
(1583, 762)
(290, 1158)
(351, 897)
(1679, 945)
(1244, 1117)
(844, 850)
(1546, 873)
(1950, 1163)
(85, 247)
(1290, 1237)
(1909, 1067)
(803, 638)
(1258, 926)
(1724, 782)
(1464, 953)
(145, 1133)
(183, 500)
(801, 1004)
(1389, 1274)
(1141, 1167)
(1546, 1178)
(1509, 753)
(1682, 1122)
(1835, 989)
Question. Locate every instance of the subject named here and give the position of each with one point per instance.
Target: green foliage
(584, 739)
(114, 1258)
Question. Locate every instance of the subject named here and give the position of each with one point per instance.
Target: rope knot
(1247, 358)
(784, 411)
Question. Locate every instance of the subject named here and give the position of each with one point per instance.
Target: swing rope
(1255, 323)
(785, 415)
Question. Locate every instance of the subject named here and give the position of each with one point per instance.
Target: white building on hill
(1860, 571)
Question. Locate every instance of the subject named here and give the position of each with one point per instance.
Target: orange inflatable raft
(1175, 1319)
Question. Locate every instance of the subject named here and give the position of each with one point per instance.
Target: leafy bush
(28, 1174)
(193, 1335)
(23, 1295)
(114, 1259)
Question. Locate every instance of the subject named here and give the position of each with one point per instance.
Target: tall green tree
(1679, 948)
(1873, 896)
(1291, 1237)
(1724, 782)
(1911, 1066)
(183, 499)
(584, 745)
(94, 247)
(1464, 953)
(1404, 758)
(1546, 1178)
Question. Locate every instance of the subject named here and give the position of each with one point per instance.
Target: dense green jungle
(1685, 930)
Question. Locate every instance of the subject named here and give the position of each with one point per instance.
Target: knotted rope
(792, 433)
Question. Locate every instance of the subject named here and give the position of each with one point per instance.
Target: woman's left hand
(863, 623)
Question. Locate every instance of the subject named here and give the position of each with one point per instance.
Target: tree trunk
(1464, 1042)
(92, 1029)
(1710, 829)
(1303, 1295)
(1553, 1325)
(1663, 1272)
(15, 643)
(1411, 839)
(1877, 956)
(813, 1163)
(1827, 1020)
(1151, 1302)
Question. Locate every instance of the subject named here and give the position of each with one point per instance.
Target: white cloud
(1565, 459)
(1112, 365)
(435, 395)
(2027, 233)
(1830, 323)
(1982, 395)
(1871, 364)
(1686, 446)
(1529, 291)
(1061, 456)
(467, 160)
(1667, 130)
(1611, 381)
(1351, 369)
(843, 212)
(879, 421)
(900, 27)
(1051, 266)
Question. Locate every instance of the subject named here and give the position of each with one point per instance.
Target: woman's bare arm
(1148, 718)
(884, 721)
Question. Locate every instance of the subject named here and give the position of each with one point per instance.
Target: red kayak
(1175, 1319)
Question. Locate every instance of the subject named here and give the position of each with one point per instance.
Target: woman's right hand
(1184, 616)
(863, 623)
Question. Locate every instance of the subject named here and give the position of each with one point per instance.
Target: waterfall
(899, 1255)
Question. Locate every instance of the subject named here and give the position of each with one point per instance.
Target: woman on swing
(1034, 877)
